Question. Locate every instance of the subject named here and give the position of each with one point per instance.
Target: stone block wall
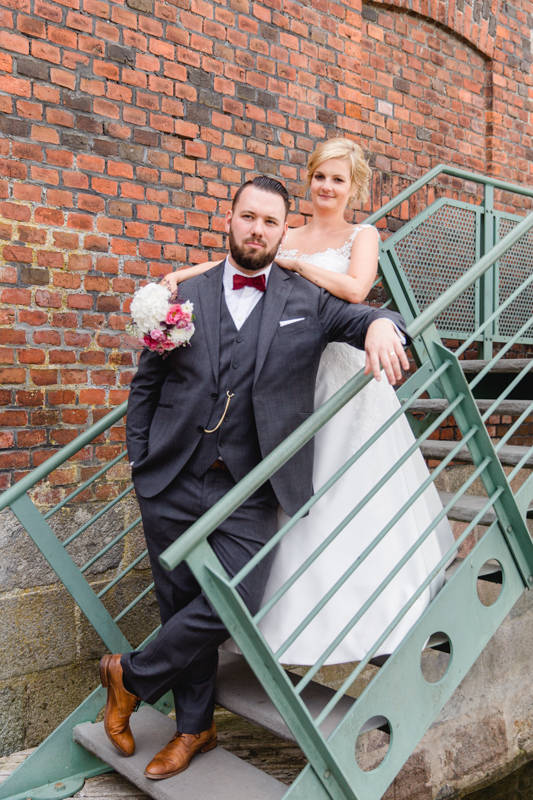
(127, 125)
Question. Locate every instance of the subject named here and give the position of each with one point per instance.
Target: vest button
(214, 396)
(234, 366)
(239, 339)
(200, 429)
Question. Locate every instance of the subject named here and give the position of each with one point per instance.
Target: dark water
(517, 786)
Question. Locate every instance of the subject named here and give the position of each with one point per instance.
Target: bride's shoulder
(364, 226)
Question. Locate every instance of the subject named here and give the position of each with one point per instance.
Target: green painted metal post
(487, 298)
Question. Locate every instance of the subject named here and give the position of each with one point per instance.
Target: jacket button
(221, 444)
(214, 396)
(234, 366)
(200, 429)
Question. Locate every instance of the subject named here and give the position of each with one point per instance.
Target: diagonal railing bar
(319, 663)
(65, 568)
(301, 569)
(514, 427)
(499, 355)
(134, 602)
(494, 316)
(58, 459)
(328, 708)
(85, 485)
(520, 464)
(329, 483)
(506, 392)
(340, 527)
(98, 514)
(124, 572)
(110, 544)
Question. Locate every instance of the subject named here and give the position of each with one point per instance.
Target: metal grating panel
(515, 267)
(434, 255)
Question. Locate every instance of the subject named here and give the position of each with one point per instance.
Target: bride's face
(331, 185)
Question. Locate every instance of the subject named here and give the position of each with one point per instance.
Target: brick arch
(424, 93)
(472, 20)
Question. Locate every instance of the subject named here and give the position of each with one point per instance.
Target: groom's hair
(266, 185)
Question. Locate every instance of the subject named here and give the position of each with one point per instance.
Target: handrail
(442, 169)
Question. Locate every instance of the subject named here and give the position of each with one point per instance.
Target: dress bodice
(340, 361)
(334, 259)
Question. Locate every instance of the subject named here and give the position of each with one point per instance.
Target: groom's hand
(384, 349)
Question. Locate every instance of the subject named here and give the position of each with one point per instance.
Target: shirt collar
(230, 271)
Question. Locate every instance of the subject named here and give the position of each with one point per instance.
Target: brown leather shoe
(176, 756)
(119, 707)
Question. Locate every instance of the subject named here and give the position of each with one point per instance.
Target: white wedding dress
(334, 444)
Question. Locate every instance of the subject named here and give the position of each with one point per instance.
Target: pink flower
(174, 315)
(157, 335)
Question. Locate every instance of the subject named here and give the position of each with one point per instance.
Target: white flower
(179, 336)
(187, 307)
(149, 306)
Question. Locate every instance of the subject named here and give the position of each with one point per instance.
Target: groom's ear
(229, 215)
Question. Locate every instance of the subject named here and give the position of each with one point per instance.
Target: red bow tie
(257, 281)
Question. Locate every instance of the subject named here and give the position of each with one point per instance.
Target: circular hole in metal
(373, 743)
(436, 657)
(489, 582)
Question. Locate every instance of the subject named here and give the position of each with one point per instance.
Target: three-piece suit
(269, 366)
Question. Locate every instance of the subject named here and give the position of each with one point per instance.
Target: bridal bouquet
(160, 322)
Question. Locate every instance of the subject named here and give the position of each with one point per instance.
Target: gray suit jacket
(171, 399)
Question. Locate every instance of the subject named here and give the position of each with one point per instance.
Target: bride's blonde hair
(343, 148)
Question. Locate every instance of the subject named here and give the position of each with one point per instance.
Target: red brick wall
(126, 126)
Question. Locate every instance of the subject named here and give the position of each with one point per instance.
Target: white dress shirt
(241, 302)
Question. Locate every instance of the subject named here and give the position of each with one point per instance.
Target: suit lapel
(209, 298)
(277, 293)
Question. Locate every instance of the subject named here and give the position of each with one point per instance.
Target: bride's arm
(173, 278)
(353, 286)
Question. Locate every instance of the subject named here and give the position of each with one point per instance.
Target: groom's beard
(252, 260)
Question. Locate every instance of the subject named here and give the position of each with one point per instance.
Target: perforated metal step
(217, 775)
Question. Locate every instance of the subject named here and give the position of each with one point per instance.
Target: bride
(343, 259)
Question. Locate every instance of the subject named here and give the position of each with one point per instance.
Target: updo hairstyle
(343, 148)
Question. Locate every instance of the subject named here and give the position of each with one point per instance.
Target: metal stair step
(504, 365)
(217, 775)
(509, 455)
(239, 691)
(466, 508)
(512, 407)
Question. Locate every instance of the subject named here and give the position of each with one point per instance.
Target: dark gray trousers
(184, 655)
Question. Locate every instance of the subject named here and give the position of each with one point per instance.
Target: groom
(198, 422)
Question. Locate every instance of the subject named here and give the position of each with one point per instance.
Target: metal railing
(333, 771)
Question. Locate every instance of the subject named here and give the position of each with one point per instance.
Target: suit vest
(235, 440)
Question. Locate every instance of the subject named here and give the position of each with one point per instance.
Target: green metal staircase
(479, 295)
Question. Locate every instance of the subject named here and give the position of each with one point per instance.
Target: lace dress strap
(343, 251)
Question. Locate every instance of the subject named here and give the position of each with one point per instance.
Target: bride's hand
(288, 263)
(383, 345)
(170, 281)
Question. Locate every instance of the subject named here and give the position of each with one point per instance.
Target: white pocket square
(284, 322)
